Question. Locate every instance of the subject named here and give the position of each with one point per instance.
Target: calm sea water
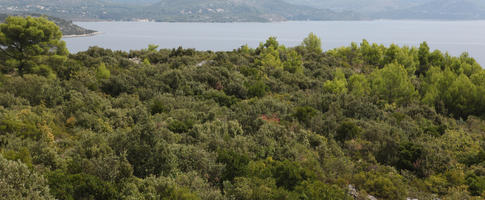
(454, 37)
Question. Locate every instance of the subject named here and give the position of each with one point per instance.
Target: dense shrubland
(266, 123)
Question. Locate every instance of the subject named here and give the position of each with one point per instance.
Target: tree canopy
(273, 122)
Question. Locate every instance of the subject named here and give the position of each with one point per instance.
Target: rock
(135, 60)
(370, 197)
(353, 192)
(202, 63)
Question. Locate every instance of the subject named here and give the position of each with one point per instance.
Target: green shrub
(347, 130)
(305, 114)
(178, 126)
(235, 164)
(257, 89)
(476, 184)
(386, 185)
(319, 190)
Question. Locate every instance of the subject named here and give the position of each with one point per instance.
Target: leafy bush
(17, 181)
(347, 130)
(80, 186)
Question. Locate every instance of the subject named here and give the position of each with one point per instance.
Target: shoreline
(275, 22)
(82, 35)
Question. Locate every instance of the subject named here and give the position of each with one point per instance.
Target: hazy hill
(69, 9)
(439, 9)
(405, 9)
(239, 10)
(181, 10)
(361, 6)
(134, 1)
(67, 27)
(248, 10)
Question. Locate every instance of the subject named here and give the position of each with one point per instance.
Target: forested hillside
(238, 10)
(179, 11)
(267, 123)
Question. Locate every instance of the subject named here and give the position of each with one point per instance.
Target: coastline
(82, 35)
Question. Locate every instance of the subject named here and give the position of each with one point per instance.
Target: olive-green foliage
(235, 164)
(313, 43)
(392, 84)
(305, 114)
(424, 59)
(102, 72)
(386, 185)
(460, 95)
(265, 123)
(19, 182)
(338, 85)
(254, 189)
(476, 184)
(155, 188)
(177, 126)
(347, 131)
(359, 85)
(320, 190)
(145, 150)
(409, 154)
(257, 89)
(293, 63)
(80, 186)
(290, 174)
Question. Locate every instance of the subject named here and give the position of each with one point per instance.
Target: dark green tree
(313, 43)
(80, 186)
(347, 130)
(392, 84)
(26, 42)
(235, 164)
(409, 154)
(423, 56)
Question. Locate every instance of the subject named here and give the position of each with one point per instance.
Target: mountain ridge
(440, 9)
(248, 10)
(405, 9)
(183, 10)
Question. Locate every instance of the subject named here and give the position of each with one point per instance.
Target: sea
(454, 37)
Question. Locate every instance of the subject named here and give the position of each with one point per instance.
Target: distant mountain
(67, 27)
(69, 9)
(239, 10)
(248, 10)
(175, 10)
(146, 2)
(440, 9)
(405, 9)
(362, 6)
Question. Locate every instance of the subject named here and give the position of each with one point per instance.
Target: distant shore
(82, 35)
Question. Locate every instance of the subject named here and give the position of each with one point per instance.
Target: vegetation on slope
(249, 10)
(180, 10)
(237, 10)
(67, 27)
(265, 123)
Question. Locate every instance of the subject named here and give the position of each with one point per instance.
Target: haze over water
(454, 37)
